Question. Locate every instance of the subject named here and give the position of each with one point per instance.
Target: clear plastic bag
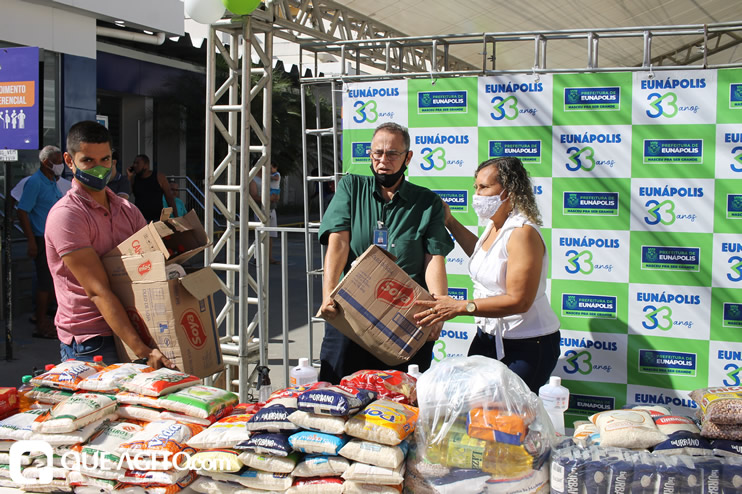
(477, 415)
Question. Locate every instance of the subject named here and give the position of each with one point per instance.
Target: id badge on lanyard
(381, 236)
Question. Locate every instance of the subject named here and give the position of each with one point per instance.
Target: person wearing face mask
(386, 210)
(508, 265)
(85, 224)
(40, 193)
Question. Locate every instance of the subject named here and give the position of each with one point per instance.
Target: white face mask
(58, 169)
(486, 206)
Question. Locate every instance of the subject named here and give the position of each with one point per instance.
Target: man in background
(148, 188)
(40, 193)
(119, 184)
(175, 190)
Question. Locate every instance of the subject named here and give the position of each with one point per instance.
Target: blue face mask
(95, 178)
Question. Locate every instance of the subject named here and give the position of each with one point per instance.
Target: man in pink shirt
(81, 227)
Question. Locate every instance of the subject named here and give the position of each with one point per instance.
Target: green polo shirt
(414, 218)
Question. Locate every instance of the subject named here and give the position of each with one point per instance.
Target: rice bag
(369, 474)
(322, 485)
(380, 455)
(584, 431)
(80, 479)
(267, 444)
(295, 391)
(226, 433)
(335, 400)
(269, 463)
(254, 479)
(139, 412)
(722, 447)
(207, 485)
(246, 408)
(179, 417)
(160, 488)
(169, 477)
(320, 423)
(274, 417)
(317, 442)
(684, 443)
(110, 378)
(162, 438)
(77, 411)
(45, 394)
(130, 398)
(19, 426)
(321, 466)
(81, 435)
(633, 429)
(159, 382)
(654, 410)
(67, 375)
(25, 460)
(384, 422)
(351, 487)
(496, 425)
(392, 385)
(199, 401)
(670, 424)
(105, 442)
(216, 460)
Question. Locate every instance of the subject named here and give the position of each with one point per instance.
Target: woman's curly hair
(514, 178)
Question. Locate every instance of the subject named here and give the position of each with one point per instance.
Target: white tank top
(488, 270)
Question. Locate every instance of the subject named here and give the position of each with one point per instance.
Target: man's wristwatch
(471, 307)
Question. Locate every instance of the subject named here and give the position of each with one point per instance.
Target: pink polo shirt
(76, 221)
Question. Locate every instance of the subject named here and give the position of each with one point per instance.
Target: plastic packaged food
(335, 400)
(372, 453)
(267, 444)
(138, 412)
(295, 391)
(721, 405)
(77, 411)
(496, 425)
(320, 423)
(226, 433)
(61, 439)
(633, 429)
(110, 378)
(274, 417)
(392, 385)
(216, 460)
(45, 394)
(269, 463)
(351, 487)
(130, 398)
(323, 485)
(684, 443)
(254, 479)
(207, 485)
(199, 401)
(162, 438)
(385, 422)
(18, 426)
(105, 443)
(67, 375)
(369, 474)
(169, 477)
(159, 382)
(321, 466)
(670, 424)
(317, 442)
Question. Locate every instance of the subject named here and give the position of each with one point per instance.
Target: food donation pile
(647, 450)
(127, 428)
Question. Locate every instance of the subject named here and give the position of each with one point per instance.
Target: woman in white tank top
(508, 265)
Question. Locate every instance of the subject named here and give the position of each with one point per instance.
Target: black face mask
(388, 180)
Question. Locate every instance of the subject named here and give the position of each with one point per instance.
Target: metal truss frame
(227, 184)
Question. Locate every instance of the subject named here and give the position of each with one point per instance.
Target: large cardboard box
(177, 314)
(376, 301)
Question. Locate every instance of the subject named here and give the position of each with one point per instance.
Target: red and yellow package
(389, 385)
(162, 438)
(8, 402)
(294, 391)
(67, 375)
(383, 421)
(496, 425)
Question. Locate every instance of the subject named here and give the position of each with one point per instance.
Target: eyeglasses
(392, 155)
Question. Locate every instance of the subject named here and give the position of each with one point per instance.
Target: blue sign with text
(19, 98)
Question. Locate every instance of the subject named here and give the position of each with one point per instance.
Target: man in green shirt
(405, 219)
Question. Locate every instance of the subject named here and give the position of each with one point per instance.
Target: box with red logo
(175, 311)
(8, 402)
(377, 299)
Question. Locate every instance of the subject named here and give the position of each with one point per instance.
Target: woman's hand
(439, 310)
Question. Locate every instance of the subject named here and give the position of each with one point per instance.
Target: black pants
(340, 357)
(533, 359)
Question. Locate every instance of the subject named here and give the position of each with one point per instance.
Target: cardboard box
(177, 314)
(376, 300)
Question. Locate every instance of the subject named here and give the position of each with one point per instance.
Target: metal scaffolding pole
(231, 92)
